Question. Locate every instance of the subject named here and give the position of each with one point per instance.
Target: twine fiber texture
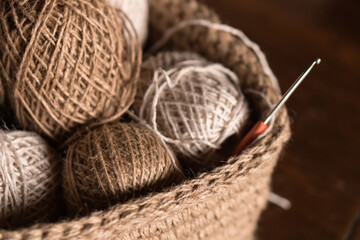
(138, 13)
(29, 179)
(114, 163)
(66, 63)
(194, 104)
(2, 93)
(224, 203)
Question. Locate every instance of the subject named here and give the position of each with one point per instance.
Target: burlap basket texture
(222, 204)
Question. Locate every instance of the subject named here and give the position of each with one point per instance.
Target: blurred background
(319, 171)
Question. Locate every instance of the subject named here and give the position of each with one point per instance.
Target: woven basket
(222, 204)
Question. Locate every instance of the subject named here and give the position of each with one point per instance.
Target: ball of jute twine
(181, 26)
(29, 179)
(113, 163)
(138, 13)
(193, 105)
(2, 92)
(67, 63)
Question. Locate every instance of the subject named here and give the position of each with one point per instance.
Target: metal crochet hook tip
(290, 91)
(261, 126)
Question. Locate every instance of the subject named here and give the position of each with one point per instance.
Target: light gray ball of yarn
(138, 13)
(29, 179)
(193, 104)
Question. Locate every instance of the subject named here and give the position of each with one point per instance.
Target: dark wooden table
(320, 169)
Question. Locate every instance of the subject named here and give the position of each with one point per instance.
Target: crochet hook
(261, 126)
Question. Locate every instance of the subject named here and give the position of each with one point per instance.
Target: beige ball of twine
(138, 13)
(67, 63)
(29, 179)
(113, 163)
(192, 104)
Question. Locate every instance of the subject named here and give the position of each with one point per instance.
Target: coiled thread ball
(114, 163)
(138, 13)
(193, 104)
(29, 179)
(66, 63)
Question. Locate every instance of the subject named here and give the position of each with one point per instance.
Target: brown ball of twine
(113, 163)
(192, 104)
(2, 93)
(29, 179)
(67, 63)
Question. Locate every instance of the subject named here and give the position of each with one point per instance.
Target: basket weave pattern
(222, 204)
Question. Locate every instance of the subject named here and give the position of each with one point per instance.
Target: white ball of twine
(193, 105)
(29, 179)
(138, 12)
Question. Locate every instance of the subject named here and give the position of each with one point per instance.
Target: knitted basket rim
(168, 212)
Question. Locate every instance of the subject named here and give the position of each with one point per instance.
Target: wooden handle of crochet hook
(259, 128)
